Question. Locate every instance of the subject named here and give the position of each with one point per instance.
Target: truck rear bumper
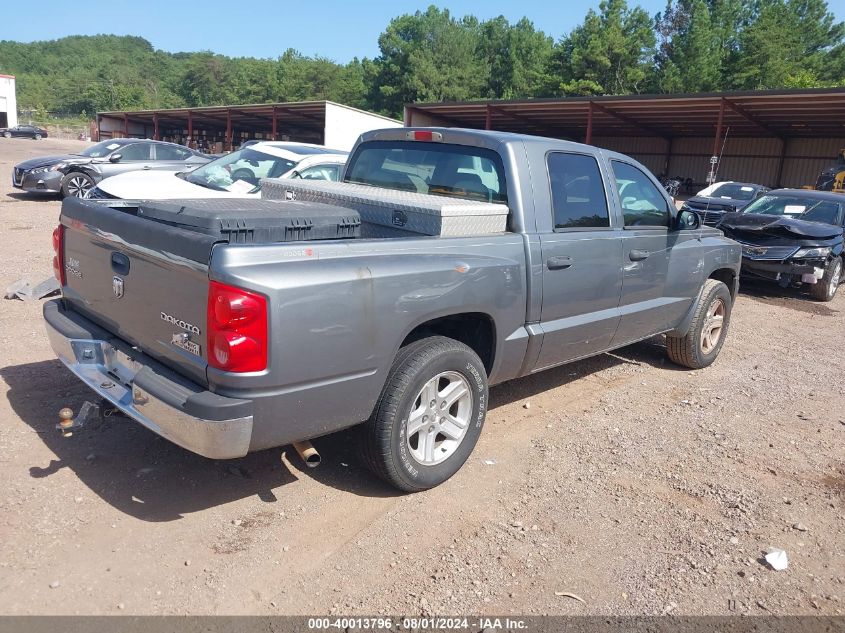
(181, 411)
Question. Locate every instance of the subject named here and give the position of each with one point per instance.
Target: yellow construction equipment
(833, 178)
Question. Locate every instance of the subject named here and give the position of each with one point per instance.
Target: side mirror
(115, 158)
(687, 220)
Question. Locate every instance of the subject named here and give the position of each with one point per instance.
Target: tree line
(432, 55)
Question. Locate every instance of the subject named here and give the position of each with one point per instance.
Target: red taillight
(59, 253)
(237, 329)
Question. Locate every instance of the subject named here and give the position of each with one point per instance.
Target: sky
(337, 29)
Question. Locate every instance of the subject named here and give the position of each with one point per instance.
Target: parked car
(714, 201)
(76, 174)
(792, 237)
(24, 131)
(234, 175)
(482, 257)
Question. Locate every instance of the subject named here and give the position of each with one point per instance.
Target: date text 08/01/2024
(417, 624)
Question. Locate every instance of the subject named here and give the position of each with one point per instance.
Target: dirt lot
(639, 487)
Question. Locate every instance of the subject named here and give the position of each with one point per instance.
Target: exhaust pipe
(308, 453)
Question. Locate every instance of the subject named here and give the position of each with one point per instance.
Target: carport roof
(303, 114)
(816, 113)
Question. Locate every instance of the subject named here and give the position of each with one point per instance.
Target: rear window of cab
(455, 171)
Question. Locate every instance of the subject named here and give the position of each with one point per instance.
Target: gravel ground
(623, 480)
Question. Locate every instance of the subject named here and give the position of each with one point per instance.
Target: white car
(235, 175)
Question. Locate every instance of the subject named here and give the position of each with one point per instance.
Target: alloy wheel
(713, 324)
(439, 418)
(835, 278)
(78, 186)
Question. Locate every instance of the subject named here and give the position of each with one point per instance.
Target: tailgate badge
(183, 341)
(117, 286)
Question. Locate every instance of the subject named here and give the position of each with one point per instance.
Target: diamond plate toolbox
(404, 210)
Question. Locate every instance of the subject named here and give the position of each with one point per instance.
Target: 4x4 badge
(117, 287)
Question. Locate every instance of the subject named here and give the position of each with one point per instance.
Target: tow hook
(88, 412)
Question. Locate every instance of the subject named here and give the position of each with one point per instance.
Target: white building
(8, 102)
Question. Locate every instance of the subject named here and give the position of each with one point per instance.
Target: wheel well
(474, 329)
(78, 169)
(727, 277)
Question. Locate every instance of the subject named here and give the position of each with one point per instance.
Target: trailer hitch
(88, 412)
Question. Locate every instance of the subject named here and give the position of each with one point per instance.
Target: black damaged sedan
(792, 237)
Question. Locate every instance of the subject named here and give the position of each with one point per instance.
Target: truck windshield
(457, 171)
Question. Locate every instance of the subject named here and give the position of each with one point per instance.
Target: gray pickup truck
(227, 345)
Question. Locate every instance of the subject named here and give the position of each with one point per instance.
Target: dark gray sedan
(75, 174)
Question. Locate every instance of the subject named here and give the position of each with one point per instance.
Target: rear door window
(171, 152)
(456, 171)
(578, 198)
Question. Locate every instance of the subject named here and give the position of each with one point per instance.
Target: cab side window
(135, 151)
(642, 203)
(578, 199)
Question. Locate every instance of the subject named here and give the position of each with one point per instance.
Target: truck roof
(487, 138)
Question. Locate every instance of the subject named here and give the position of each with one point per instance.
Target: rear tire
(707, 332)
(825, 289)
(76, 184)
(411, 444)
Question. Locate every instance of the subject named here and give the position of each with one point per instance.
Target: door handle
(637, 255)
(558, 263)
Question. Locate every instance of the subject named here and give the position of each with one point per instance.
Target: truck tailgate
(145, 282)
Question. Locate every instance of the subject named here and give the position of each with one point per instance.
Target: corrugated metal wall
(650, 151)
(806, 157)
(744, 159)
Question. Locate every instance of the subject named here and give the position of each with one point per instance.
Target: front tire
(76, 184)
(825, 289)
(7, 134)
(429, 415)
(707, 332)
(37, 137)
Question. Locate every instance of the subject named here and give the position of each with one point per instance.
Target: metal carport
(777, 138)
(322, 122)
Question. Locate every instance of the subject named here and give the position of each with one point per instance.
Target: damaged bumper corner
(808, 272)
